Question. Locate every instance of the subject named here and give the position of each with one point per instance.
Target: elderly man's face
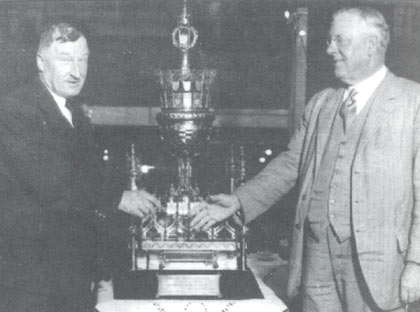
(349, 48)
(63, 66)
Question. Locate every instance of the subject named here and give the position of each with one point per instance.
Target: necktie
(71, 107)
(348, 109)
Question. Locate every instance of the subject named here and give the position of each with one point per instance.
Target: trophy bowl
(185, 118)
(185, 133)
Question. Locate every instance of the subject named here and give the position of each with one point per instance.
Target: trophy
(175, 260)
(185, 122)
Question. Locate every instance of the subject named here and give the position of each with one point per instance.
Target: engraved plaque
(188, 285)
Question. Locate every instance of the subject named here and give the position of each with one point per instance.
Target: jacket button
(298, 226)
(304, 197)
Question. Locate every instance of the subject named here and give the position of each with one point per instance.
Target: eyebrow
(68, 54)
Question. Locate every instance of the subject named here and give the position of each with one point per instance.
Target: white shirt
(61, 103)
(366, 88)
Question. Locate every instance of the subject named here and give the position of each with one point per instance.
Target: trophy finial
(184, 17)
(184, 38)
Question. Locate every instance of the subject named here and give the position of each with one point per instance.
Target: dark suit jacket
(385, 183)
(51, 196)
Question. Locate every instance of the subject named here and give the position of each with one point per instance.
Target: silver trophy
(183, 262)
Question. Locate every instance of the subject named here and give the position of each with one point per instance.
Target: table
(260, 264)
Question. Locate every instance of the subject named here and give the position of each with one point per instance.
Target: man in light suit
(356, 160)
(54, 208)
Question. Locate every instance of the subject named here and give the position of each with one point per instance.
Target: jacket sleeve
(413, 251)
(279, 176)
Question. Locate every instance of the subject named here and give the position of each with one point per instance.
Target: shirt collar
(61, 101)
(372, 82)
(367, 87)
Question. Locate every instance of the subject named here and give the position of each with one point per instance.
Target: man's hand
(139, 203)
(410, 283)
(218, 208)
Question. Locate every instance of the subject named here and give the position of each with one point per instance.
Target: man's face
(349, 48)
(63, 66)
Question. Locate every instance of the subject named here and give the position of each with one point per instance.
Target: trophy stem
(185, 176)
(185, 69)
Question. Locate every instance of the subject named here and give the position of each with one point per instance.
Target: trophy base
(155, 284)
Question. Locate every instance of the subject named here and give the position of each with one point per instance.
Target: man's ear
(373, 45)
(40, 62)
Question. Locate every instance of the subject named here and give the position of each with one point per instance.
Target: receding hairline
(59, 32)
(372, 18)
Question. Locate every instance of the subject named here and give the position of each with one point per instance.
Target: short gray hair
(373, 18)
(60, 32)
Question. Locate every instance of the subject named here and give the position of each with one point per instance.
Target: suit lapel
(325, 123)
(320, 126)
(55, 122)
(383, 103)
(50, 110)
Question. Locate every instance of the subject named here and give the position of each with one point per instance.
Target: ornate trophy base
(152, 284)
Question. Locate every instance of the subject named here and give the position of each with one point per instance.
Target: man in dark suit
(54, 208)
(356, 160)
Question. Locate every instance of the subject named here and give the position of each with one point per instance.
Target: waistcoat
(330, 202)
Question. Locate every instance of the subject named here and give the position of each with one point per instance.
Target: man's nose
(75, 70)
(331, 47)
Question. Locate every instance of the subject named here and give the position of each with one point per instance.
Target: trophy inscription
(201, 285)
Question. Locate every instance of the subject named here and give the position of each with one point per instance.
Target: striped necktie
(348, 109)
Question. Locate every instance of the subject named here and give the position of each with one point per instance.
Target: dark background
(248, 42)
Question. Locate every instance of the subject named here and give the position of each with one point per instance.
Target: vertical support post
(297, 98)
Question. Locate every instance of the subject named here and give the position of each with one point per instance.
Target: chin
(340, 75)
(72, 93)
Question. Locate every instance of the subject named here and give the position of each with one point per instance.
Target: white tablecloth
(260, 264)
